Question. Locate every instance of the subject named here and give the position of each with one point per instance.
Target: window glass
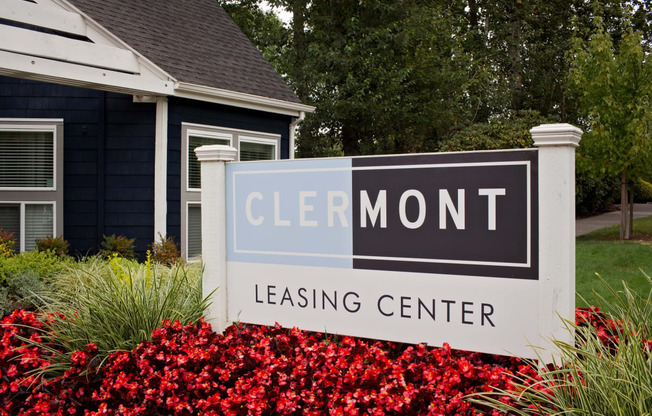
(39, 223)
(194, 230)
(194, 167)
(26, 159)
(257, 151)
(10, 221)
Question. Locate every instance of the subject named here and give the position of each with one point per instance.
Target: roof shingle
(195, 41)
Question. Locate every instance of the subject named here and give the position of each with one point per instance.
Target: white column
(213, 227)
(160, 168)
(556, 143)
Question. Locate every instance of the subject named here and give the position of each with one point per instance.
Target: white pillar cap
(216, 152)
(556, 135)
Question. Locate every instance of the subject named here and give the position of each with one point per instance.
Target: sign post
(556, 143)
(475, 249)
(213, 218)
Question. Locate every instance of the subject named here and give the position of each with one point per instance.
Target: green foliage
(41, 264)
(6, 305)
(378, 78)
(594, 376)
(642, 191)
(165, 251)
(510, 132)
(120, 245)
(593, 194)
(7, 243)
(614, 86)
(263, 28)
(118, 303)
(56, 245)
(24, 289)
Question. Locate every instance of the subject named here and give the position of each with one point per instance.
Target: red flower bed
(252, 370)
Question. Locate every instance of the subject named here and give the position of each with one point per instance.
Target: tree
(614, 86)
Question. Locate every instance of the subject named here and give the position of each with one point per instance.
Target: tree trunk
(631, 212)
(624, 211)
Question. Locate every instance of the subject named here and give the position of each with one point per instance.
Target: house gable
(46, 41)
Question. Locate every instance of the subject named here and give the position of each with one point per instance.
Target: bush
(507, 132)
(24, 277)
(120, 245)
(642, 191)
(165, 251)
(7, 244)
(25, 289)
(56, 245)
(595, 195)
(41, 264)
(117, 304)
(18, 360)
(257, 370)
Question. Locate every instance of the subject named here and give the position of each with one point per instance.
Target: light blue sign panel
(291, 212)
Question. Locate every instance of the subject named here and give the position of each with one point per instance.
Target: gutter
(293, 125)
(239, 99)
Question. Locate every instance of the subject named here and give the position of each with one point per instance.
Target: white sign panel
(421, 248)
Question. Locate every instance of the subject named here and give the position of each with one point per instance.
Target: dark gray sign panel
(448, 213)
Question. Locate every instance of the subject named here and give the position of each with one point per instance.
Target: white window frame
(38, 196)
(192, 196)
(260, 140)
(21, 204)
(185, 249)
(39, 128)
(200, 133)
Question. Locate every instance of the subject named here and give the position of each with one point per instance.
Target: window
(31, 156)
(251, 145)
(28, 221)
(26, 159)
(252, 148)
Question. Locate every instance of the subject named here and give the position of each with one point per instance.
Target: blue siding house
(102, 103)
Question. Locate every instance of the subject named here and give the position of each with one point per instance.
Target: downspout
(293, 125)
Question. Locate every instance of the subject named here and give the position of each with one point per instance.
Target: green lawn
(601, 252)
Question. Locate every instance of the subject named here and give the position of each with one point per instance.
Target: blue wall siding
(108, 158)
(109, 154)
(188, 111)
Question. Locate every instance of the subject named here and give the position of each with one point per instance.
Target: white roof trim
(239, 99)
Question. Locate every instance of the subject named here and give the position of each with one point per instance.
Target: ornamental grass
(607, 371)
(116, 304)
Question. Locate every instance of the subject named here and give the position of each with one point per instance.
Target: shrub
(17, 359)
(594, 195)
(506, 132)
(120, 245)
(257, 370)
(25, 290)
(41, 264)
(117, 304)
(7, 243)
(56, 245)
(165, 251)
(642, 191)
(6, 305)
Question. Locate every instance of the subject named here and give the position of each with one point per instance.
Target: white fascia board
(29, 42)
(42, 16)
(239, 99)
(47, 70)
(101, 36)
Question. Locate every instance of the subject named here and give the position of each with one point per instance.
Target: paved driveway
(586, 225)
